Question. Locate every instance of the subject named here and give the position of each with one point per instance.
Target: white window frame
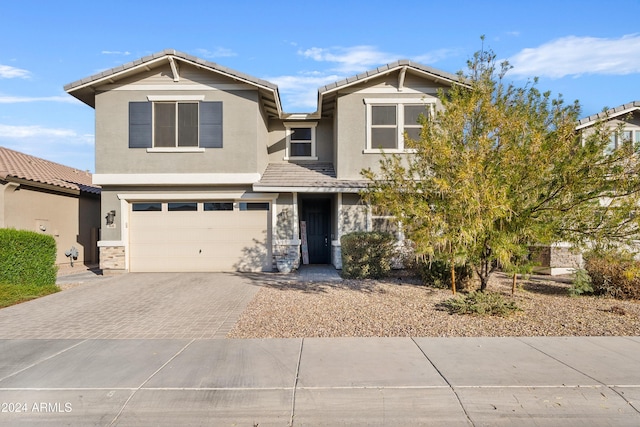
(618, 139)
(399, 103)
(371, 216)
(289, 126)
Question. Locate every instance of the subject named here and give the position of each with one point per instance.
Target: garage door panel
(199, 241)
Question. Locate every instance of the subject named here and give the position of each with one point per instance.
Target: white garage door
(199, 236)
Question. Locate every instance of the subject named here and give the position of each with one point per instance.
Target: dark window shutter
(140, 125)
(211, 124)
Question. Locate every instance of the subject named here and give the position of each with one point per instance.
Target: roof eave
(609, 114)
(84, 89)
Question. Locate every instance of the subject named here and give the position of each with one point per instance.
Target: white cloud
(349, 60)
(7, 99)
(18, 132)
(218, 52)
(116, 52)
(9, 72)
(574, 56)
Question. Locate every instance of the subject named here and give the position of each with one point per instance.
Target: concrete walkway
(136, 350)
(322, 382)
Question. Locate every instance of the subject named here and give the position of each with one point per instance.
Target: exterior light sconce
(110, 219)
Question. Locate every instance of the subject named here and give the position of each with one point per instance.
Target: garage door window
(218, 206)
(147, 207)
(182, 206)
(254, 206)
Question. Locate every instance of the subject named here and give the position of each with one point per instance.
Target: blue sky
(585, 50)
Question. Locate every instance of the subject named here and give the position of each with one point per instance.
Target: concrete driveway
(135, 305)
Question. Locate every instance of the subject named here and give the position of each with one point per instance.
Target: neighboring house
(201, 170)
(624, 122)
(626, 116)
(49, 198)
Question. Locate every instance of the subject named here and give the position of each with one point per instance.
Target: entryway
(316, 213)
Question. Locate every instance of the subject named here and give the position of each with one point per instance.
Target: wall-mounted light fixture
(110, 218)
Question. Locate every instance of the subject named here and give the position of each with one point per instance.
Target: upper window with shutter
(168, 125)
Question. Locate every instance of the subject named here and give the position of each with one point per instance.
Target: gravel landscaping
(401, 307)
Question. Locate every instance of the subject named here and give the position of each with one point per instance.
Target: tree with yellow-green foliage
(499, 168)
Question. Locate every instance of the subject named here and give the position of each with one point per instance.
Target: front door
(317, 214)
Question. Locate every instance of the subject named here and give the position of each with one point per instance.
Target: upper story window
(163, 124)
(301, 141)
(175, 124)
(388, 120)
(626, 136)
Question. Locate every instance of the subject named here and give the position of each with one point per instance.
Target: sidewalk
(568, 381)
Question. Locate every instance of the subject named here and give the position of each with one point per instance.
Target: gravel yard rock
(402, 307)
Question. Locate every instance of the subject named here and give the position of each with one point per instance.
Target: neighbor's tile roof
(312, 175)
(14, 164)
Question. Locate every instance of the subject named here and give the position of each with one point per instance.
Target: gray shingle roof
(388, 67)
(83, 89)
(610, 113)
(316, 175)
(14, 164)
(169, 52)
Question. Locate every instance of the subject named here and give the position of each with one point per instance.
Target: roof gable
(327, 93)
(84, 89)
(20, 166)
(609, 114)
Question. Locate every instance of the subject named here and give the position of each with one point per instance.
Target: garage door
(199, 236)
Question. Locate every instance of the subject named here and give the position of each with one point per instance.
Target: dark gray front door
(317, 214)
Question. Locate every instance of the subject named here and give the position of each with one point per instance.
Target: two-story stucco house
(201, 170)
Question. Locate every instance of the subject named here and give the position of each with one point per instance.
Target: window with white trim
(301, 141)
(388, 120)
(625, 137)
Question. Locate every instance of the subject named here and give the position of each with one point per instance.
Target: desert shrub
(480, 303)
(581, 283)
(614, 274)
(438, 274)
(27, 258)
(366, 255)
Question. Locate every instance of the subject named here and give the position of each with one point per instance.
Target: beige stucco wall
(67, 217)
(277, 139)
(353, 215)
(243, 125)
(351, 120)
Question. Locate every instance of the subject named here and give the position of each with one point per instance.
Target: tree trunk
(513, 284)
(453, 276)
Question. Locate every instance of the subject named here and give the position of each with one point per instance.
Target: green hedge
(27, 258)
(615, 275)
(366, 255)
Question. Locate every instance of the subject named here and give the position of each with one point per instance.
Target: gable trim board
(611, 113)
(84, 89)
